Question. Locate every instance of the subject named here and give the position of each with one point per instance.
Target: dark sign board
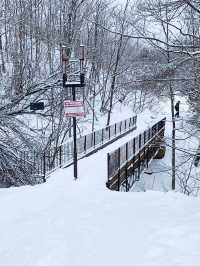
(37, 106)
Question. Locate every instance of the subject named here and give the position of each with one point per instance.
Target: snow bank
(80, 223)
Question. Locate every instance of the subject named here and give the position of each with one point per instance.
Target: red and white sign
(73, 108)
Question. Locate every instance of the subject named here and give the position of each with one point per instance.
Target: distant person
(177, 107)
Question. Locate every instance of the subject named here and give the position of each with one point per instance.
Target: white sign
(73, 108)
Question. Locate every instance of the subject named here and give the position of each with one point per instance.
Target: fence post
(109, 132)
(119, 177)
(126, 167)
(102, 135)
(144, 160)
(147, 156)
(120, 128)
(115, 129)
(49, 159)
(44, 167)
(34, 159)
(139, 163)
(60, 156)
(140, 136)
(91, 139)
(125, 124)
(108, 167)
(94, 138)
(38, 171)
(85, 143)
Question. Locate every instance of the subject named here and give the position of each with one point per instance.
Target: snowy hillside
(81, 223)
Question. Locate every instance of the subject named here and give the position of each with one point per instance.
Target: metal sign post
(73, 77)
(74, 131)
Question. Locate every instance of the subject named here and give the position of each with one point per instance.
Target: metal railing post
(85, 143)
(60, 156)
(44, 167)
(119, 174)
(108, 167)
(102, 135)
(91, 144)
(140, 141)
(126, 168)
(94, 138)
(147, 159)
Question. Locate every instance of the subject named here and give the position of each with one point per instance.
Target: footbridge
(125, 164)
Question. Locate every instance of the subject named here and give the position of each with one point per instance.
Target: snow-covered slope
(65, 223)
(81, 223)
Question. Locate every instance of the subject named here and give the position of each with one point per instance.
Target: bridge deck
(95, 165)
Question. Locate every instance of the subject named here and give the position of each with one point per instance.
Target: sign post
(73, 80)
(74, 130)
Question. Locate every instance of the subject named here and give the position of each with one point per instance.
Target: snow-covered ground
(80, 223)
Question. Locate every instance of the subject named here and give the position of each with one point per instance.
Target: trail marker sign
(73, 108)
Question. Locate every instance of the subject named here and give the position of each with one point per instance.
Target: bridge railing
(61, 156)
(131, 158)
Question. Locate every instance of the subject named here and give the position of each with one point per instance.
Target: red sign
(73, 108)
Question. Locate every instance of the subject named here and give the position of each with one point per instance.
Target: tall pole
(73, 85)
(172, 110)
(74, 136)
